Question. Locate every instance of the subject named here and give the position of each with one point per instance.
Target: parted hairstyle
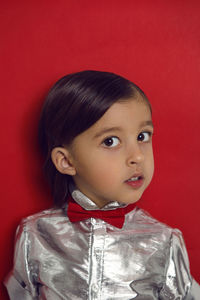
(74, 104)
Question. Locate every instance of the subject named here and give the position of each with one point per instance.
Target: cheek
(150, 164)
(105, 171)
(101, 170)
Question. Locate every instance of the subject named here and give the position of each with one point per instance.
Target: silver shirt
(93, 260)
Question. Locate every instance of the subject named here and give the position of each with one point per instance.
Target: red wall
(154, 43)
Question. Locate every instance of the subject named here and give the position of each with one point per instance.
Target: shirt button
(93, 221)
(95, 288)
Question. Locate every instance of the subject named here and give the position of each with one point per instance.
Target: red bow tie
(114, 217)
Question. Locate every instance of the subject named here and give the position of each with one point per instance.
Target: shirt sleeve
(20, 282)
(179, 284)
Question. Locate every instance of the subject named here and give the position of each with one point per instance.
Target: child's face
(116, 149)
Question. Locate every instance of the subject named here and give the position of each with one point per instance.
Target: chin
(130, 201)
(133, 197)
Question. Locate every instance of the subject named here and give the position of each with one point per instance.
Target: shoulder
(51, 216)
(142, 216)
(146, 223)
(47, 213)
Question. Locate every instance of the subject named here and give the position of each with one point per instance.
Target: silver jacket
(92, 260)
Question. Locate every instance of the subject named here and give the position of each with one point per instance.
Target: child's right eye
(111, 142)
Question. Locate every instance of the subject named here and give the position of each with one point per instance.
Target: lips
(135, 181)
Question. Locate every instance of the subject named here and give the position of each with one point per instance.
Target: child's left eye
(111, 142)
(144, 136)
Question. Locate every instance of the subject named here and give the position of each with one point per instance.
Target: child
(96, 134)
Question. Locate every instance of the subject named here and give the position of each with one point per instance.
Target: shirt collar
(82, 208)
(88, 204)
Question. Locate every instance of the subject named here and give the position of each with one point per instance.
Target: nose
(135, 156)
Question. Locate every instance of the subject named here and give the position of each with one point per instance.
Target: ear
(62, 161)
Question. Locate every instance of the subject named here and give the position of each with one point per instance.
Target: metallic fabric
(88, 204)
(92, 260)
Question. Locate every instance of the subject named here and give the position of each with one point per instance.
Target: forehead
(123, 116)
(126, 115)
(124, 112)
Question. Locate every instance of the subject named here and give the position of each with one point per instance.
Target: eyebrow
(147, 123)
(115, 128)
(106, 130)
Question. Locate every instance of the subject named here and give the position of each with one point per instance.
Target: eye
(144, 136)
(111, 142)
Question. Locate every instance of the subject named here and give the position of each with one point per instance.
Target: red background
(155, 44)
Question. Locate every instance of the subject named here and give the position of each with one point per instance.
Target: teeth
(134, 179)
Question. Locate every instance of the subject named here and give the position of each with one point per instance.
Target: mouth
(136, 181)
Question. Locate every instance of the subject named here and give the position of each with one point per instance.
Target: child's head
(96, 128)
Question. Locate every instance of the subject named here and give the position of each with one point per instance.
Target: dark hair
(74, 104)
